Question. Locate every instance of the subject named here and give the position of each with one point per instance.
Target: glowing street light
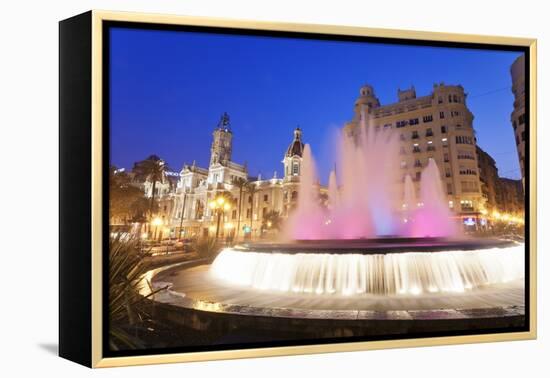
(219, 205)
(157, 222)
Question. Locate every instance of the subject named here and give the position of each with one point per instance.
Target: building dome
(296, 148)
(367, 97)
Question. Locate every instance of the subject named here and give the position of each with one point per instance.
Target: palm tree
(252, 189)
(152, 169)
(240, 183)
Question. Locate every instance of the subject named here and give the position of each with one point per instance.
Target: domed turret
(367, 98)
(293, 156)
(296, 148)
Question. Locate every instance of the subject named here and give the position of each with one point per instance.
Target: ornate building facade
(249, 204)
(437, 126)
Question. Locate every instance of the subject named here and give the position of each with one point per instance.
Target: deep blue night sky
(169, 88)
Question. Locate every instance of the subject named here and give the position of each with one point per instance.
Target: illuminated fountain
(364, 204)
(329, 273)
(369, 246)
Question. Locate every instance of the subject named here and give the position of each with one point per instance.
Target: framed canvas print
(233, 189)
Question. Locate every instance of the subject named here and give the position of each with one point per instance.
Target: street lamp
(156, 222)
(219, 206)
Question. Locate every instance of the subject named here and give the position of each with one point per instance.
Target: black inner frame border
(106, 158)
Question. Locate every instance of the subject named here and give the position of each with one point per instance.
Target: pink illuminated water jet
(363, 198)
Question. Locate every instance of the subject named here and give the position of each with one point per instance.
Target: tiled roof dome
(296, 148)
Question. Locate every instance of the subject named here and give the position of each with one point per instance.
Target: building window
(413, 121)
(250, 199)
(465, 155)
(521, 119)
(294, 195)
(450, 191)
(417, 163)
(234, 214)
(429, 132)
(450, 98)
(416, 148)
(440, 100)
(441, 115)
(447, 172)
(427, 118)
(446, 157)
(399, 124)
(523, 136)
(415, 134)
(455, 99)
(468, 172)
(387, 126)
(443, 129)
(467, 205)
(431, 147)
(264, 212)
(266, 197)
(464, 139)
(295, 169)
(469, 186)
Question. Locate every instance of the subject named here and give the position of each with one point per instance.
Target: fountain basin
(380, 267)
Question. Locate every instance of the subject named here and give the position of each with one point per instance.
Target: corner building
(517, 71)
(437, 126)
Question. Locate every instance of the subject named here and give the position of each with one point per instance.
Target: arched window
(295, 169)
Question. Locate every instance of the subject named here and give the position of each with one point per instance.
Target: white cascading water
(409, 273)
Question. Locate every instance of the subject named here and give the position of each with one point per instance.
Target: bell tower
(222, 143)
(293, 156)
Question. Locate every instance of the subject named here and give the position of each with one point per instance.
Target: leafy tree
(125, 199)
(152, 169)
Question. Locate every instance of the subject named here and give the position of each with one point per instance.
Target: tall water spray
(432, 217)
(308, 216)
(362, 199)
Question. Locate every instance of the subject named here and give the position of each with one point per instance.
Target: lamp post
(219, 206)
(156, 222)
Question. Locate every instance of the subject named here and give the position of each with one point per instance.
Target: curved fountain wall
(358, 274)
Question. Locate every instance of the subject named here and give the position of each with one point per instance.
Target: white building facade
(246, 216)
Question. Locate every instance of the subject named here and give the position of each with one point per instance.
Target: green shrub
(127, 307)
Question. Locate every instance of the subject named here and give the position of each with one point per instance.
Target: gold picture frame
(94, 22)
